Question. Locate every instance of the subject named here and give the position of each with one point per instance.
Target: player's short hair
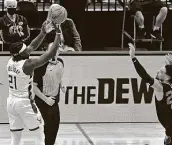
(17, 48)
(165, 73)
(10, 3)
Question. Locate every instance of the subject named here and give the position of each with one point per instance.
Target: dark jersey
(9, 29)
(164, 107)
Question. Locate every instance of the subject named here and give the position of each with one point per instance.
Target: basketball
(57, 14)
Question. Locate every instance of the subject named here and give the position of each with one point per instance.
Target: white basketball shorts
(20, 113)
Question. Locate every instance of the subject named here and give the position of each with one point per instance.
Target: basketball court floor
(98, 134)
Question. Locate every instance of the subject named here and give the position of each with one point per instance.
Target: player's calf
(39, 136)
(15, 137)
(167, 140)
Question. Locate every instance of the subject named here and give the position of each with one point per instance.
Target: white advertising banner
(100, 89)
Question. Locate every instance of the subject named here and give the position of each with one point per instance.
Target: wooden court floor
(98, 134)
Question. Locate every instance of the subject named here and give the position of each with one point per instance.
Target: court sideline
(98, 134)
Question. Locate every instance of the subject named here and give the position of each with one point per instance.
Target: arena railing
(113, 5)
(98, 53)
(92, 5)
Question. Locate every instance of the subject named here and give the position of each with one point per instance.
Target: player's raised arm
(47, 27)
(32, 64)
(154, 83)
(139, 68)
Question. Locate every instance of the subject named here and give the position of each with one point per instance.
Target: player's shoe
(148, 36)
(141, 33)
(167, 140)
(157, 35)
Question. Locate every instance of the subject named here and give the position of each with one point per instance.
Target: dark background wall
(103, 29)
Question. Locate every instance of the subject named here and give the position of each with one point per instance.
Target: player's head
(165, 74)
(11, 6)
(18, 51)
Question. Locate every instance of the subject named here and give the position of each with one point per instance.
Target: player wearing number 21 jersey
(20, 84)
(21, 108)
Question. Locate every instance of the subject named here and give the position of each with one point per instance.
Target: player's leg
(15, 137)
(38, 134)
(160, 18)
(16, 123)
(32, 120)
(136, 8)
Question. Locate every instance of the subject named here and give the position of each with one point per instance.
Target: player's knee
(164, 10)
(139, 15)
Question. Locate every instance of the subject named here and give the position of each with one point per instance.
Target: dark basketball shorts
(148, 6)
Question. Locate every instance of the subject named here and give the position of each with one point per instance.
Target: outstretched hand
(168, 59)
(47, 27)
(132, 50)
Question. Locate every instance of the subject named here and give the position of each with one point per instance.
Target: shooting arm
(46, 28)
(36, 42)
(158, 88)
(142, 72)
(31, 64)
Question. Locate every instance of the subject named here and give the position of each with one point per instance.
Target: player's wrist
(43, 32)
(134, 59)
(58, 33)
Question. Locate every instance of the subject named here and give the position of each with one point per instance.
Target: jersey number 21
(12, 82)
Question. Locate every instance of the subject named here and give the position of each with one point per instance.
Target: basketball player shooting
(20, 105)
(163, 91)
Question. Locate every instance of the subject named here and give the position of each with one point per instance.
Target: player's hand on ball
(50, 101)
(57, 28)
(168, 59)
(132, 50)
(47, 27)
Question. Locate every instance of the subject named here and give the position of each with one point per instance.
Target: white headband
(23, 48)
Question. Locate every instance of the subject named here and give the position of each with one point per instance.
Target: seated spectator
(70, 37)
(13, 27)
(155, 7)
(76, 11)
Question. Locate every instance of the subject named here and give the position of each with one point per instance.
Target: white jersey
(20, 84)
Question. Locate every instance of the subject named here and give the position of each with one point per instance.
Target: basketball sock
(155, 28)
(15, 138)
(39, 136)
(141, 26)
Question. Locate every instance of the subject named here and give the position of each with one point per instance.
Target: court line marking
(84, 134)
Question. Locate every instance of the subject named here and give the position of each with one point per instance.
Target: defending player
(20, 105)
(163, 91)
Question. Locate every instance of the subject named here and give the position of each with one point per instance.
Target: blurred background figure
(70, 36)
(153, 8)
(13, 27)
(76, 9)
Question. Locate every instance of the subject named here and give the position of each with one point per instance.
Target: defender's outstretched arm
(139, 68)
